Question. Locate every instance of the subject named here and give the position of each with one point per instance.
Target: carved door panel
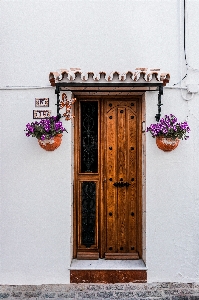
(121, 175)
(107, 221)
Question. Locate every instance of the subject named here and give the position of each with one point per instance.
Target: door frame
(140, 98)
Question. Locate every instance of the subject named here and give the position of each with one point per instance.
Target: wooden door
(107, 198)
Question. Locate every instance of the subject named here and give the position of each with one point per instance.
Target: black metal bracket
(64, 86)
(57, 92)
(158, 115)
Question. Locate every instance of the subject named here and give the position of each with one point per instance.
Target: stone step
(133, 291)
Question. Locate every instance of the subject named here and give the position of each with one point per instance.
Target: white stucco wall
(36, 197)
(36, 194)
(172, 200)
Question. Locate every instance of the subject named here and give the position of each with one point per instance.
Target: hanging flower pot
(51, 144)
(48, 132)
(168, 132)
(166, 144)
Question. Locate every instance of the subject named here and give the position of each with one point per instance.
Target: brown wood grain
(88, 255)
(118, 209)
(121, 255)
(132, 178)
(111, 192)
(107, 276)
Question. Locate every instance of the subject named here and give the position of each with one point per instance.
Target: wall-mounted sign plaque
(41, 102)
(41, 114)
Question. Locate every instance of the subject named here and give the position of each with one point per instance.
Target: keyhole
(110, 214)
(132, 214)
(110, 104)
(132, 117)
(121, 111)
(110, 148)
(110, 117)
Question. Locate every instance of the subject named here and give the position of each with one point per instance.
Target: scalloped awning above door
(142, 79)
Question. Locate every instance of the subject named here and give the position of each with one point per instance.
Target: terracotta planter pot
(52, 144)
(166, 144)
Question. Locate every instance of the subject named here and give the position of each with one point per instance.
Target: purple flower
(43, 137)
(168, 127)
(45, 128)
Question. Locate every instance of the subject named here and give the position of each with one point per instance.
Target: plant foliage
(169, 127)
(45, 129)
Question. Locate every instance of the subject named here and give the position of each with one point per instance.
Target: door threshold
(108, 271)
(102, 264)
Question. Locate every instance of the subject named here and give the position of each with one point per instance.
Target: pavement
(133, 291)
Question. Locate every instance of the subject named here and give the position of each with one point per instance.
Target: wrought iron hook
(158, 115)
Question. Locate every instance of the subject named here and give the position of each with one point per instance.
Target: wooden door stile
(102, 206)
(139, 176)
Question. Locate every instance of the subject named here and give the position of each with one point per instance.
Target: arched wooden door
(107, 186)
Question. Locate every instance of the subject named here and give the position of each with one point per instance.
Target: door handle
(121, 184)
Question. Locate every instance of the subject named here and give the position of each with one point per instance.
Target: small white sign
(41, 114)
(41, 102)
